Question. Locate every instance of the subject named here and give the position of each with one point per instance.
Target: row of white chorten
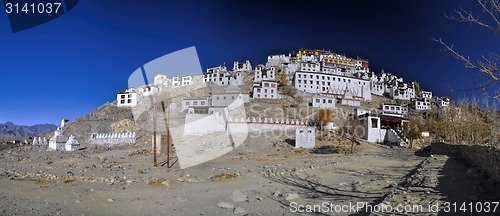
(267, 120)
(114, 135)
(40, 141)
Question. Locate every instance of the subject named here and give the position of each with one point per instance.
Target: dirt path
(267, 177)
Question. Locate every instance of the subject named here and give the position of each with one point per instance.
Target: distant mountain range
(9, 131)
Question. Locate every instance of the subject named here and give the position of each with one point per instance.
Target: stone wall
(485, 157)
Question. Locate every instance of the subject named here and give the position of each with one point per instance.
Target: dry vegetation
(465, 122)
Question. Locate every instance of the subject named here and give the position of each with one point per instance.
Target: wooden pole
(154, 134)
(168, 135)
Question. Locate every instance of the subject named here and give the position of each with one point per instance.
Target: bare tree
(489, 64)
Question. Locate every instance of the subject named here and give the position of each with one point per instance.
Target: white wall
(324, 102)
(333, 84)
(305, 137)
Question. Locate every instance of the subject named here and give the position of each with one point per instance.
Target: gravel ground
(263, 176)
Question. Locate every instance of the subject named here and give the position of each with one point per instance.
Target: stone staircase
(403, 141)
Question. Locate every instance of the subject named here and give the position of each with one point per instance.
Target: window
(187, 103)
(195, 103)
(317, 100)
(123, 96)
(203, 103)
(129, 101)
(122, 101)
(374, 123)
(258, 90)
(273, 85)
(266, 84)
(232, 97)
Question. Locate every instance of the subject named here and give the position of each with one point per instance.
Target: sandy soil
(264, 176)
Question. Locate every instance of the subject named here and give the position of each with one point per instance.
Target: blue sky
(69, 66)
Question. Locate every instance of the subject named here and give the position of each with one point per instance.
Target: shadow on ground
(462, 184)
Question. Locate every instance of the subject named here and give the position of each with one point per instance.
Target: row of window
(224, 98)
(265, 91)
(123, 101)
(324, 100)
(265, 96)
(195, 103)
(323, 77)
(397, 108)
(128, 96)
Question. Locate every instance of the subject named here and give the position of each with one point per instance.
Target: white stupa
(57, 141)
(72, 144)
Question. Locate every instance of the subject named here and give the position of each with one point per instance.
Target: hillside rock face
(9, 131)
(108, 118)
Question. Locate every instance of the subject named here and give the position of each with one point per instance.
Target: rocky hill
(108, 118)
(10, 131)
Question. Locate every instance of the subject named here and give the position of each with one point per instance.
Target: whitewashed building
(220, 68)
(349, 100)
(148, 90)
(421, 104)
(278, 60)
(239, 66)
(425, 94)
(442, 102)
(265, 85)
(402, 91)
(223, 78)
(264, 73)
(332, 84)
(187, 80)
(323, 101)
(228, 95)
(265, 89)
(394, 110)
(310, 66)
(382, 129)
(128, 98)
(305, 137)
(194, 102)
(161, 79)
